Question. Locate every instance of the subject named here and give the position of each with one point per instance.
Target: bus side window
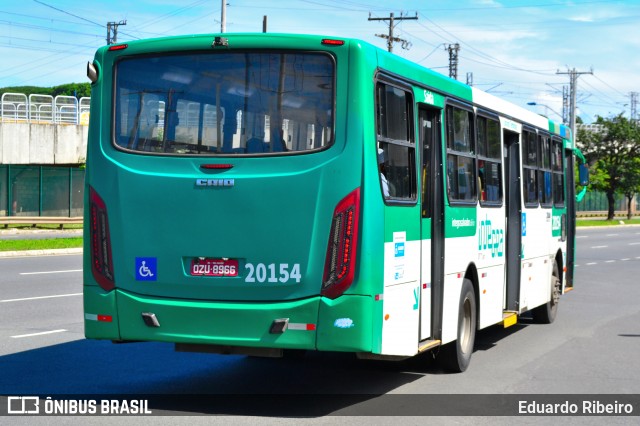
(461, 169)
(530, 166)
(395, 143)
(557, 167)
(489, 161)
(544, 180)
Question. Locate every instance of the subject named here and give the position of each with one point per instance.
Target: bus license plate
(214, 267)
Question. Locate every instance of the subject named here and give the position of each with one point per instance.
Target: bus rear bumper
(315, 323)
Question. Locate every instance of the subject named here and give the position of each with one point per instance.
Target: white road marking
(625, 259)
(609, 261)
(633, 244)
(40, 297)
(592, 263)
(612, 235)
(51, 272)
(38, 334)
(599, 247)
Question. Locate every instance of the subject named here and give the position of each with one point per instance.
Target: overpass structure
(43, 145)
(43, 130)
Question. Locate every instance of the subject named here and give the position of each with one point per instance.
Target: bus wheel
(456, 356)
(294, 353)
(546, 313)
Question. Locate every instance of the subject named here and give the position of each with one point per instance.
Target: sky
(520, 50)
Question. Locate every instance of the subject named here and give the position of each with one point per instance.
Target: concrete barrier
(36, 143)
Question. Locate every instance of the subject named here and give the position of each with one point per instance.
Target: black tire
(456, 356)
(546, 313)
(294, 353)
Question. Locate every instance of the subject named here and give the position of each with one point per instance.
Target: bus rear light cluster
(339, 268)
(101, 260)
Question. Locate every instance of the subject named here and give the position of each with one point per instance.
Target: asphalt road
(592, 348)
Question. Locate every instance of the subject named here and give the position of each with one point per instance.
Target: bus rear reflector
(101, 260)
(339, 267)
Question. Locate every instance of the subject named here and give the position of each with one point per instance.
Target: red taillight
(101, 261)
(339, 267)
(216, 166)
(118, 47)
(332, 42)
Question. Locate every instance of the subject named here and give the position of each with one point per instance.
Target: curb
(53, 252)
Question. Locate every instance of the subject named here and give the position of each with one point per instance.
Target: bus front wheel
(456, 355)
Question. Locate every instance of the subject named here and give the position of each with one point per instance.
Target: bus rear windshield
(243, 103)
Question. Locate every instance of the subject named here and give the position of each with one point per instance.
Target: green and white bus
(257, 193)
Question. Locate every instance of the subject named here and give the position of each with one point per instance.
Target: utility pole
(469, 79)
(573, 89)
(112, 31)
(453, 60)
(264, 24)
(565, 104)
(223, 17)
(634, 105)
(390, 38)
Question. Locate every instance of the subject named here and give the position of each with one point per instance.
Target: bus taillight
(101, 260)
(339, 267)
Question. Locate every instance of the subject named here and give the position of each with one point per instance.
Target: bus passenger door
(514, 219)
(432, 229)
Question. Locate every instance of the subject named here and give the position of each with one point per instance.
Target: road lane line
(582, 236)
(625, 259)
(612, 235)
(633, 244)
(39, 334)
(40, 297)
(592, 263)
(599, 247)
(609, 261)
(51, 272)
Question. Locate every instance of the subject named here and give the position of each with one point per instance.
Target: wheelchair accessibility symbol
(146, 268)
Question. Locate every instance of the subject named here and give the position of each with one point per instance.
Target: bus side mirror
(583, 175)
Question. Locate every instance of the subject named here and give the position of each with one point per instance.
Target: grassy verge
(601, 222)
(47, 244)
(44, 226)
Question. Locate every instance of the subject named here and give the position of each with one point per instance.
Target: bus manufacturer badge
(215, 182)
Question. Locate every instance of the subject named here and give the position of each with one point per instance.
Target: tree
(612, 150)
(71, 89)
(630, 184)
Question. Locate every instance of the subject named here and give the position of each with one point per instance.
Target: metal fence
(41, 191)
(17, 107)
(595, 201)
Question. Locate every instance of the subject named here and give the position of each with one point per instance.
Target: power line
(68, 13)
(84, 19)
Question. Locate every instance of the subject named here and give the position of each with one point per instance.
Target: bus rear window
(243, 103)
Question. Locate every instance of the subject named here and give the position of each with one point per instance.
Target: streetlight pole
(547, 108)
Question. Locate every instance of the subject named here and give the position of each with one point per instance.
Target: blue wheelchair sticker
(399, 249)
(146, 268)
